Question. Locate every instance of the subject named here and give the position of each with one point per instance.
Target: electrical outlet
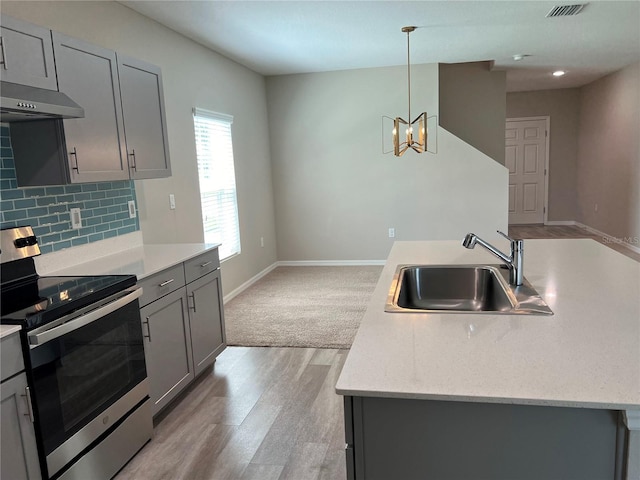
(76, 218)
(392, 232)
(172, 201)
(132, 209)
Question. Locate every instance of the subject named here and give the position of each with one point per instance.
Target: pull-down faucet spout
(514, 260)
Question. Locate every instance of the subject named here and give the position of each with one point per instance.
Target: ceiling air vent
(566, 10)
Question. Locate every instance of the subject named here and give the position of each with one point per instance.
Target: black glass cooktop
(36, 301)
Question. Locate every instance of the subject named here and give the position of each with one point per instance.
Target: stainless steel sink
(461, 289)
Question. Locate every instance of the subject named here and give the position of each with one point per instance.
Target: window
(217, 178)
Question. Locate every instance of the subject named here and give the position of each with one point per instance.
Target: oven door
(87, 373)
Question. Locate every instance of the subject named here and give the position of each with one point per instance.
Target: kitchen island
(565, 387)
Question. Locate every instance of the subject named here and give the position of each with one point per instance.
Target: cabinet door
(144, 118)
(95, 144)
(207, 320)
(18, 442)
(167, 347)
(27, 54)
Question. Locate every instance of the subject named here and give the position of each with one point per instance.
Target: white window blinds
(217, 178)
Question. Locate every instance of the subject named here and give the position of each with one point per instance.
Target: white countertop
(142, 261)
(586, 355)
(6, 330)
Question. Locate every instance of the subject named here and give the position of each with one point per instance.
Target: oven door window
(80, 374)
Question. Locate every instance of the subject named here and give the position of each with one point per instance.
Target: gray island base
(501, 396)
(428, 439)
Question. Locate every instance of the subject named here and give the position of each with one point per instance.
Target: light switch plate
(172, 201)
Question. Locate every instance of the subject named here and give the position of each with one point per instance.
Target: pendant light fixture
(408, 134)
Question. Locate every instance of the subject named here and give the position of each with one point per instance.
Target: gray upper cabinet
(144, 118)
(95, 144)
(26, 54)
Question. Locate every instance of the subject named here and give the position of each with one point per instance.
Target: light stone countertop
(586, 355)
(6, 330)
(143, 261)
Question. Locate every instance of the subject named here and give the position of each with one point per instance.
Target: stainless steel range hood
(20, 103)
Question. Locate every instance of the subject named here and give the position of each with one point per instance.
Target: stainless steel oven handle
(89, 317)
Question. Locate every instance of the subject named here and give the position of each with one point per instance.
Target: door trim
(547, 127)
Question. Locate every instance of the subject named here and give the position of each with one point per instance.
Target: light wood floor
(262, 413)
(567, 231)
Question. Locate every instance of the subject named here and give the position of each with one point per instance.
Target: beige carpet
(317, 307)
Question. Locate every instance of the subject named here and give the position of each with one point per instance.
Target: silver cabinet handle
(4, 53)
(69, 323)
(193, 297)
(75, 155)
(166, 282)
(206, 264)
(148, 335)
(133, 156)
(27, 393)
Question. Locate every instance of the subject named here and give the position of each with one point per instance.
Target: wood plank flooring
(262, 413)
(567, 231)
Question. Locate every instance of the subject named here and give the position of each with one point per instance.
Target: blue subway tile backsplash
(103, 206)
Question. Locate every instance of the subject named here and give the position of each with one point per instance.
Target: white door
(525, 157)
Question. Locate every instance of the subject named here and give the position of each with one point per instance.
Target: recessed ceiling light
(559, 73)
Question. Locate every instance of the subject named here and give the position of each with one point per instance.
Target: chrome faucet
(514, 261)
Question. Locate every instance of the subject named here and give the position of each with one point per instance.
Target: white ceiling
(285, 37)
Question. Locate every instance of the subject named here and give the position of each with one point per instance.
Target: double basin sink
(461, 289)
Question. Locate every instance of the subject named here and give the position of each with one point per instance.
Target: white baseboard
(237, 291)
(329, 263)
(608, 237)
(561, 222)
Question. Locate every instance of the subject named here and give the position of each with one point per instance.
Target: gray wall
(473, 105)
(192, 76)
(609, 154)
(563, 108)
(336, 194)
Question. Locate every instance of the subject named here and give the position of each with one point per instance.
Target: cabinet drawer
(12, 362)
(161, 284)
(201, 265)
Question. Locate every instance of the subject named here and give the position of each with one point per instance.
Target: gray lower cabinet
(19, 452)
(183, 325)
(167, 347)
(415, 439)
(26, 54)
(144, 118)
(205, 316)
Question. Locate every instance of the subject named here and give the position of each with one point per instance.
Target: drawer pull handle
(166, 282)
(206, 264)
